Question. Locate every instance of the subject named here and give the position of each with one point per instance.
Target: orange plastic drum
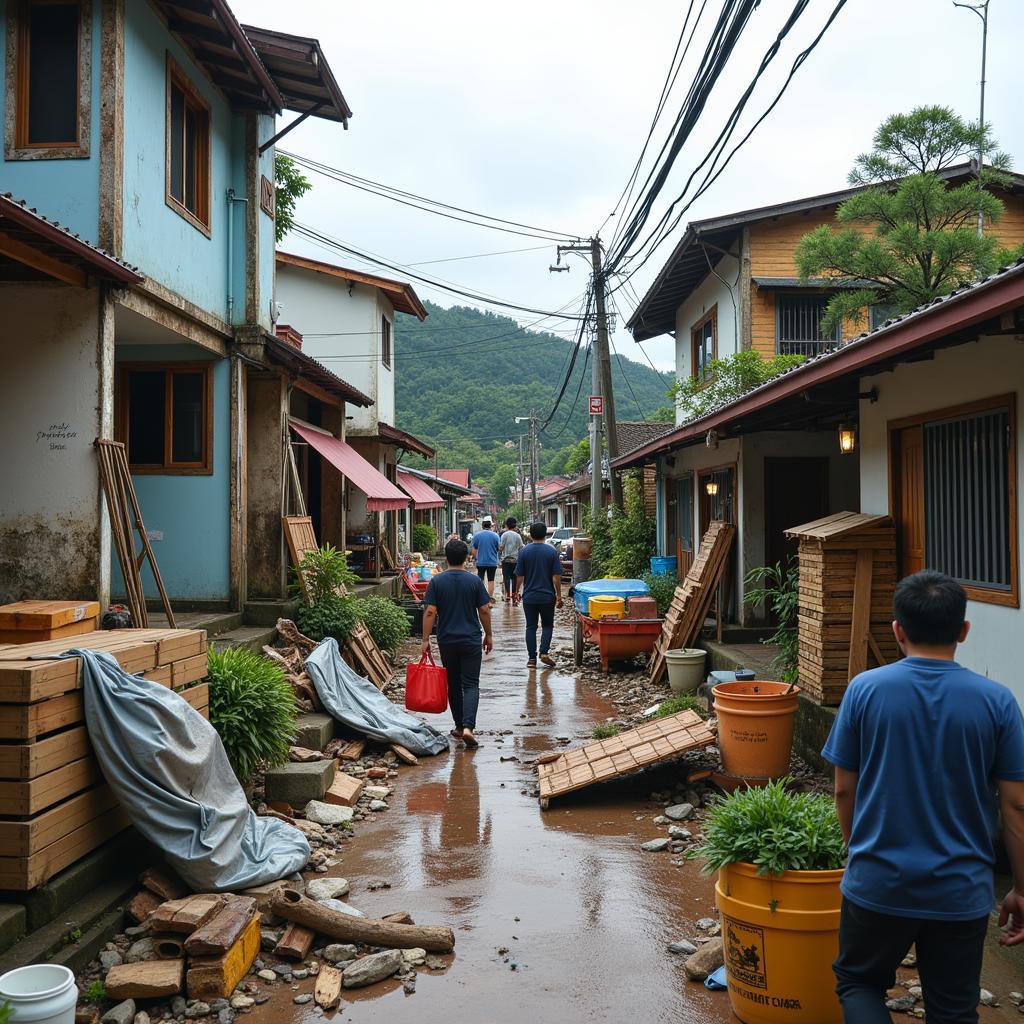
(780, 934)
(755, 727)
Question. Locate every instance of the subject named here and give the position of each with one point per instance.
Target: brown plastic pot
(755, 727)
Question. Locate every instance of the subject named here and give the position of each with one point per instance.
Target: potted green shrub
(779, 857)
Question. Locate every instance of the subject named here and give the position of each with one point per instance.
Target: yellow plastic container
(780, 935)
(606, 606)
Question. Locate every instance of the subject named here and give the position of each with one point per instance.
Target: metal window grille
(967, 498)
(798, 325)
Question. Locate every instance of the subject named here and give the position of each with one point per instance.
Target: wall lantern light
(847, 438)
(712, 487)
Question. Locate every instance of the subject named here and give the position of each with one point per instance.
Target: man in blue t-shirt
(458, 603)
(485, 554)
(926, 752)
(538, 585)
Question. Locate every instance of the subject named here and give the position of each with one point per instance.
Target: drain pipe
(232, 199)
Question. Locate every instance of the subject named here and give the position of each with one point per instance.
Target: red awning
(381, 494)
(422, 494)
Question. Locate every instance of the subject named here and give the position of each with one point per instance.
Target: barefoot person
(457, 601)
(485, 555)
(538, 585)
(509, 546)
(921, 748)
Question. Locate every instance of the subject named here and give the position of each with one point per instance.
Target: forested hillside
(467, 374)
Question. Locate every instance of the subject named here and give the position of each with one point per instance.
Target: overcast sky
(536, 112)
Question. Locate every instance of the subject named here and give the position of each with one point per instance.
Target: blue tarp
(583, 592)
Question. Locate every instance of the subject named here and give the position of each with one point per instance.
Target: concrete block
(12, 924)
(313, 731)
(811, 729)
(297, 784)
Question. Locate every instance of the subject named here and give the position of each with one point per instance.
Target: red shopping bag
(426, 686)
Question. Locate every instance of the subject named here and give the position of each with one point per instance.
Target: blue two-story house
(136, 282)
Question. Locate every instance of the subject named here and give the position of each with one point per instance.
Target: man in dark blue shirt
(538, 585)
(926, 752)
(458, 602)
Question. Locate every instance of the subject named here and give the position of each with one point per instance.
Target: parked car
(557, 537)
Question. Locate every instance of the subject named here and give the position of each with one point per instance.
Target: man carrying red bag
(460, 605)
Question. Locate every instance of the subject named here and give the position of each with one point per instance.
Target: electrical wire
(479, 256)
(572, 363)
(579, 390)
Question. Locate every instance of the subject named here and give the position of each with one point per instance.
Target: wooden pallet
(365, 656)
(661, 740)
(692, 599)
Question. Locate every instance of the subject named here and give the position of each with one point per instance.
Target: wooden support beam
(40, 261)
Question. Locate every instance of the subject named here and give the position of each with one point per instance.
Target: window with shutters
(48, 79)
(188, 150)
(963, 487)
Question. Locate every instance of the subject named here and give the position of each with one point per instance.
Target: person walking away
(509, 546)
(458, 603)
(925, 753)
(538, 584)
(485, 555)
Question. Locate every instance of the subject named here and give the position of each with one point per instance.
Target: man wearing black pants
(538, 585)
(921, 749)
(459, 604)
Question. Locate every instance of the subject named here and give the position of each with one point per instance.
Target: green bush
(253, 708)
(599, 529)
(662, 588)
(605, 731)
(326, 571)
(778, 585)
(773, 829)
(633, 532)
(387, 622)
(333, 616)
(424, 538)
(684, 702)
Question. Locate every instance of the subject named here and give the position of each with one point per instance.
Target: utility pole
(981, 10)
(534, 465)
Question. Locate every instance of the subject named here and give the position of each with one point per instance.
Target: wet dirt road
(584, 914)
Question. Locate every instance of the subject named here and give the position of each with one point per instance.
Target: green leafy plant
(387, 622)
(326, 572)
(95, 993)
(253, 709)
(634, 532)
(599, 529)
(662, 588)
(778, 587)
(684, 702)
(605, 731)
(424, 538)
(727, 379)
(772, 828)
(334, 616)
(290, 185)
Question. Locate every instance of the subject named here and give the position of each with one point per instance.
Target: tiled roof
(632, 435)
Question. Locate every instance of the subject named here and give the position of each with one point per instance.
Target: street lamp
(981, 10)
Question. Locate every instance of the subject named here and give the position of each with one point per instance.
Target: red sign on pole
(596, 405)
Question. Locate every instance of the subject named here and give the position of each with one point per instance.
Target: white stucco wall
(53, 404)
(386, 374)
(987, 368)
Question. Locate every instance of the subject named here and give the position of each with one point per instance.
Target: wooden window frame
(386, 342)
(984, 595)
(712, 315)
(168, 467)
(16, 144)
(204, 178)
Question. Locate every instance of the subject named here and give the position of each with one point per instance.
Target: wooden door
(908, 497)
(795, 492)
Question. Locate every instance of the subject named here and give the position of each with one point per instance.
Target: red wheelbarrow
(616, 639)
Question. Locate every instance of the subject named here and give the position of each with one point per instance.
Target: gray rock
(900, 1004)
(675, 832)
(327, 888)
(683, 946)
(301, 974)
(142, 1017)
(327, 814)
(377, 792)
(414, 956)
(269, 938)
(226, 1016)
(123, 1013)
(282, 970)
(654, 845)
(341, 908)
(378, 805)
(705, 961)
(216, 1005)
(110, 958)
(303, 999)
(337, 952)
(178, 1006)
(372, 969)
(266, 975)
(242, 1003)
(705, 924)
(197, 1009)
(986, 998)
(679, 812)
(1015, 997)
(141, 949)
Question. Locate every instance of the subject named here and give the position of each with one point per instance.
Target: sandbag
(168, 768)
(354, 701)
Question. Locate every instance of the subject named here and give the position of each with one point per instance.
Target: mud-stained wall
(50, 413)
(265, 561)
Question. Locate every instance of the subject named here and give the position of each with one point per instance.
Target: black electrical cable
(568, 374)
(579, 390)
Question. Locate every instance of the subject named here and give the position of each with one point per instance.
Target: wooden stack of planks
(847, 578)
(54, 804)
(692, 599)
(27, 622)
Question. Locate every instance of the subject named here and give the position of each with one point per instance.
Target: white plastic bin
(685, 669)
(40, 994)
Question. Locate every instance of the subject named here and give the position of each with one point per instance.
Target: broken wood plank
(216, 977)
(222, 931)
(327, 992)
(164, 882)
(352, 751)
(344, 790)
(152, 979)
(403, 755)
(187, 914)
(295, 942)
(142, 904)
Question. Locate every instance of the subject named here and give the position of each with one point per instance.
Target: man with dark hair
(457, 601)
(538, 585)
(509, 546)
(485, 554)
(920, 749)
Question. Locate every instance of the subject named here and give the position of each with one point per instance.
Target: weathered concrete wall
(265, 557)
(52, 405)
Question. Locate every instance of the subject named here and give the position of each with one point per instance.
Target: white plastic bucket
(685, 669)
(40, 994)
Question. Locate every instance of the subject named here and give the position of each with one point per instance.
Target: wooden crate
(848, 574)
(26, 622)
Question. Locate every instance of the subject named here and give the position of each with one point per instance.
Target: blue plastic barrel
(663, 565)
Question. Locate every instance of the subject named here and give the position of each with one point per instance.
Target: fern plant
(253, 709)
(779, 587)
(772, 828)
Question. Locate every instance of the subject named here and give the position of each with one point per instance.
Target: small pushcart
(616, 639)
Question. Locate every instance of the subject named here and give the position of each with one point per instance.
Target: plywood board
(661, 740)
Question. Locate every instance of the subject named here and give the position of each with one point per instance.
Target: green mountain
(464, 375)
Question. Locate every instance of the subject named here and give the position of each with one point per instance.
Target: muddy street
(554, 912)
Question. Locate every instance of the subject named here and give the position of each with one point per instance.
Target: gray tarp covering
(168, 768)
(356, 702)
